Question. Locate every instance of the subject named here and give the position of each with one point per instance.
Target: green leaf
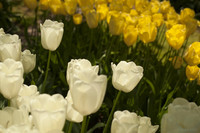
(98, 125)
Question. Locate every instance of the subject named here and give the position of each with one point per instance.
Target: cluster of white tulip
(31, 112)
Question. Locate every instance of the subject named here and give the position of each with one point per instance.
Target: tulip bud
(11, 78)
(86, 86)
(70, 6)
(48, 112)
(126, 75)
(182, 117)
(92, 18)
(57, 7)
(10, 46)
(129, 122)
(130, 35)
(192, 72)
(102, 9)
(192, 55)
(176, 36)
(51, 34)
(28, 60)
(77, 19)
(116, 24)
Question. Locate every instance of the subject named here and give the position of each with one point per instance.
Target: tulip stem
(111, 113)
(70, 127)
(46, 73)
(84, 124)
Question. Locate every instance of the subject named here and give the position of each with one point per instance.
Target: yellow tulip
(92, 19)
(86, 5)
(129, 19)
(97, 2)
(129, 3)
(185, 14)
(116, 5)
(158, 19)
(44, 4)
(116, 24)
(70, 6)
(110, 13)
(31, 4)
(133, 13)
(164, 7)
(57, 7)
(171, 14)
(192, 72)
(176, 36)
(147, 32)
(130, 35)
(170, 23)
(191, 26)
(77, 19)
(154, 6)
(198, 23)
(192, 55)
(141, 5)
(102, 10)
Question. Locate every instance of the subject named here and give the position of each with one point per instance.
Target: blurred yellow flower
(116, 24)
(77, 19)
(170, 23)
(110, 13)
(158, 19)
(141, 5)
(192, 72)
(130, 35)
(185, 14)
(191, 26)
(57, 7)
(70, 6)
(44, 4)
(176, 36)
(154, 6)
(102, 10)
(129, 3)
(192, 55)
(164, 7)
(86, 5)
(177, 62)
(133, 13)
(92, 19)
(31, 4)
(147, 32)
(116, 5)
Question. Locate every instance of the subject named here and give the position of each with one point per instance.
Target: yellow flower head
(170, 23)
(129, 3)
(77, 19)
(70, 6)
(164, 7)
(116, 5)
(57, 7)
(155, 6)
(176, 36)
(116, 24)
(158, 19)
(185, 14)
(102, 9)
(191, 26)
(31, 4)
(86, 5)
(192, 55)
(192, 72)
(141, 5)
(130, 35)
(44, 4)
(92, 19)
(133, 13)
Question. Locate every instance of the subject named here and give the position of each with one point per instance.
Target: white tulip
(126, 75)
(11, 78)
(28, 60)
(129, 122)
(182, 117)
(71, 113)
(10, 46)
(86, 86)
(18, 129)
(48, 112)
(25, 95)
(2, 31)
(11, 116)
(51, 34)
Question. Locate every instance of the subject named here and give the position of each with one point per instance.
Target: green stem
(46, 74)
(111, 113)
(84, 124)
(70, 127)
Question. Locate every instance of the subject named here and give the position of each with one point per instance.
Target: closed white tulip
(48, 112)
(51, 34)
(71, 113)
(11, 78)
(182, 117)
(86, 86)
(2, 31)
(126, 75)
(10, 46)
(28, 60)
(129, 122)
(18, 129)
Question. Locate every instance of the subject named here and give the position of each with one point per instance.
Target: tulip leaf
(54, 58)
(98, 125)
(151, 85)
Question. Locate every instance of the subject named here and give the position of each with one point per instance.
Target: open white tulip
(28, 60)
(126, 75)
(11, 78)
(10, 47)
(182, 117)
(18, 129)
(71, 113)
(48, 112)
(86, 86)
(129, 122)
(51, 34)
